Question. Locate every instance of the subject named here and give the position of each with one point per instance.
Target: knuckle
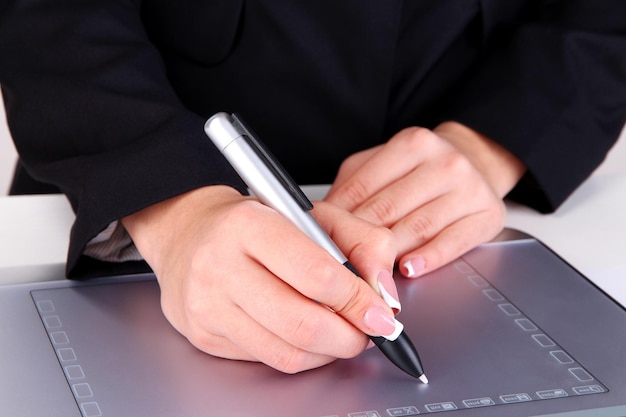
(246, 211)
(379, 240)
(289, 360)
(308, 331)
(324, 274)
(457, 164)
(381, 235)
(421, 227)
(202, 340)
(382, 210)
(415, 139)
(355, 191)
(196, 313)
(194, 309)
(354, 302)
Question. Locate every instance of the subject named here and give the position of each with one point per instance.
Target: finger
(274, 351)
(203, 335)
(313, 272)
(448, 173)
(399, 156)
(370, 248)
(424, 184)
(249, 340)
(298, 320)
(242, 324)
(452, 242)
(429, 219)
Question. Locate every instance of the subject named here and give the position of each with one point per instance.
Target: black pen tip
(403, 354)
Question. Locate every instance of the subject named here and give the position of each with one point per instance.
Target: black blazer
(106, 99)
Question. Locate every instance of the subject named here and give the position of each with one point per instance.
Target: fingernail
(382, 323)
(388, 290)
(414, 267)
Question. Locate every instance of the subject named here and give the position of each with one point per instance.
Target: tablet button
(515, 398)
(561, 356)
(509, 309)
(82, 390)
(493, 295)
(552, 393)
(478, 402)
(581, 374)
(478, 281)
(66, 354)
(463, 267)
(59, 338)
(45, 306)
(403, 411)
(52, 322)
(91, 409)
(436, 407)
(74, 372)
(543, 340)
(589, 389)
(526, 325)
(365, 414)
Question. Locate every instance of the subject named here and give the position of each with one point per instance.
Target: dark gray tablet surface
(507, 330)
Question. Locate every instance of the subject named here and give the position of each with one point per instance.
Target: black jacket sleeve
(91, 111)
(552, 89)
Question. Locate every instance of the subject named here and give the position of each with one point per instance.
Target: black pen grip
(401, 352)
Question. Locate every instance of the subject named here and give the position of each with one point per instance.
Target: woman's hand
(440, 192)
(241, 282)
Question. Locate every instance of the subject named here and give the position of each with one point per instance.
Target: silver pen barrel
(262, 181)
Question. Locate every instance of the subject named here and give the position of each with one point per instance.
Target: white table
(34, 236)
(588, 231)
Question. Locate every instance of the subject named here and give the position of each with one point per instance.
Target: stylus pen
(269, 182)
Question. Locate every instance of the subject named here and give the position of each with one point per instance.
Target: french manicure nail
(382, 323)
(388, 290)
(415, 266)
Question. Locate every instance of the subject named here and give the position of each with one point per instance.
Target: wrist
(155, 229)
(500, 168)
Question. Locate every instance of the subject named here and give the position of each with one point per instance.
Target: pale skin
(241, 282)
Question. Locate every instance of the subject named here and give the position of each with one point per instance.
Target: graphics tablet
(509, 329)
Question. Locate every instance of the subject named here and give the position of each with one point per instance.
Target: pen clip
(272, 164)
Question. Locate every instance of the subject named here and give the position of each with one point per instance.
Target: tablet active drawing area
(480, 349)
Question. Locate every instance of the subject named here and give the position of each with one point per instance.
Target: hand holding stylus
(235, 279)
(274, 187)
